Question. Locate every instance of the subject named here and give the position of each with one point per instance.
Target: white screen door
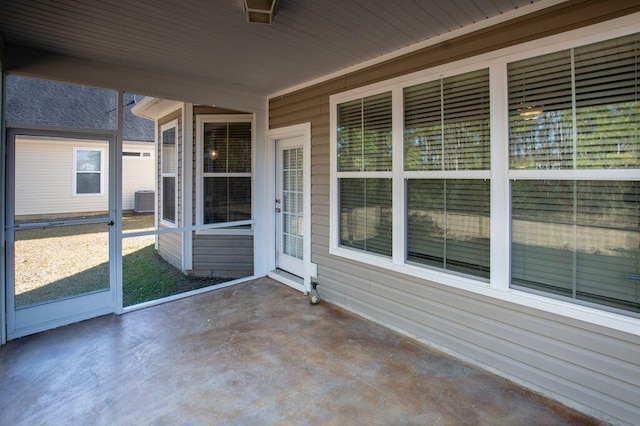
(290, 205)
(59, 230)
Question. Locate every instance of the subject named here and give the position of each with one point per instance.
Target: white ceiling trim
(525, 10)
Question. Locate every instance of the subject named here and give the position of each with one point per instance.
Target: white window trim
(163, 128)
(76, 171)
(498, 286)
(201, 120)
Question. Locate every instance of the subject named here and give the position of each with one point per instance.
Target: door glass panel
(57, 181)
(292, 216)
(60, 262)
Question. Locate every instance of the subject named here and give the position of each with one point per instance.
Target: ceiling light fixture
(530, 112)
(259, 11)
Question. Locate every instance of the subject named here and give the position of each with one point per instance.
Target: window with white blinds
(516, 172)
(169, 172)
(364, 163)
(446, 124)
(364, 134)
(448, 224)
(577, 110)
(446, 128)
(226, 171)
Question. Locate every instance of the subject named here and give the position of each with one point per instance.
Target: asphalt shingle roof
(34, 101)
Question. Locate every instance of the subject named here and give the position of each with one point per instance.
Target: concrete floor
(255, 353)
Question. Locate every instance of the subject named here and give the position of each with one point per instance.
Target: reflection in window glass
(578, 239)
(449, 224)
(88, 171)
(592, 88)
(364, 134)
(366, 215)
(446, 124)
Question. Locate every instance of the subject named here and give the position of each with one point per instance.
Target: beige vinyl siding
(582, 364)
(45, 175)
(170, 245)
(137, 172)
(227, 256)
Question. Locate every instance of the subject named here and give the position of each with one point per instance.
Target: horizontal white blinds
(578, 239)
(364, 134)
(226, 199)
(169, 158)
(227, 147)
(607, 112)
(448, 224)
(226, 179)
(366, 215)
(592, 89)
(446, 124)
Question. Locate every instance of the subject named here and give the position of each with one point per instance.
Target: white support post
(187, 186)
(115, 203)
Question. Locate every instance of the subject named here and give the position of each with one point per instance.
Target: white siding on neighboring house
(45, 177)
(137, 171)
(52, 192)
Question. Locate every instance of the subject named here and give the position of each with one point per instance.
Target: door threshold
(289, 279)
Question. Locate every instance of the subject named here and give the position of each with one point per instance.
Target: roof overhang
(154, 108)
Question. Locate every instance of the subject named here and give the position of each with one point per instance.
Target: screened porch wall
(585, 365)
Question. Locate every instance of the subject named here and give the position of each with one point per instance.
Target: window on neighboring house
(446, 144)
(136, 154)
(364, 151)
(169, 172)
(88, 168)
(574, 127)
(225, 172)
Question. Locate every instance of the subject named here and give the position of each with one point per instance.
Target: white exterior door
(290, 205)
(60, 234)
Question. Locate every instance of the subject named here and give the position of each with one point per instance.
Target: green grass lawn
(60, 262)
(147, 276)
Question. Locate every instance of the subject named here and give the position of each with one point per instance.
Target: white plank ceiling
(210, 40)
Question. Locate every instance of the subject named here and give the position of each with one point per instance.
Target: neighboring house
(78, 169)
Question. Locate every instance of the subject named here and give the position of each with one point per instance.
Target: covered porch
(419, 220)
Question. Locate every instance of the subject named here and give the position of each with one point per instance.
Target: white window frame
(163, 128)
(201, 120)
(372, 257)
(500, 176)
(76, 171)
